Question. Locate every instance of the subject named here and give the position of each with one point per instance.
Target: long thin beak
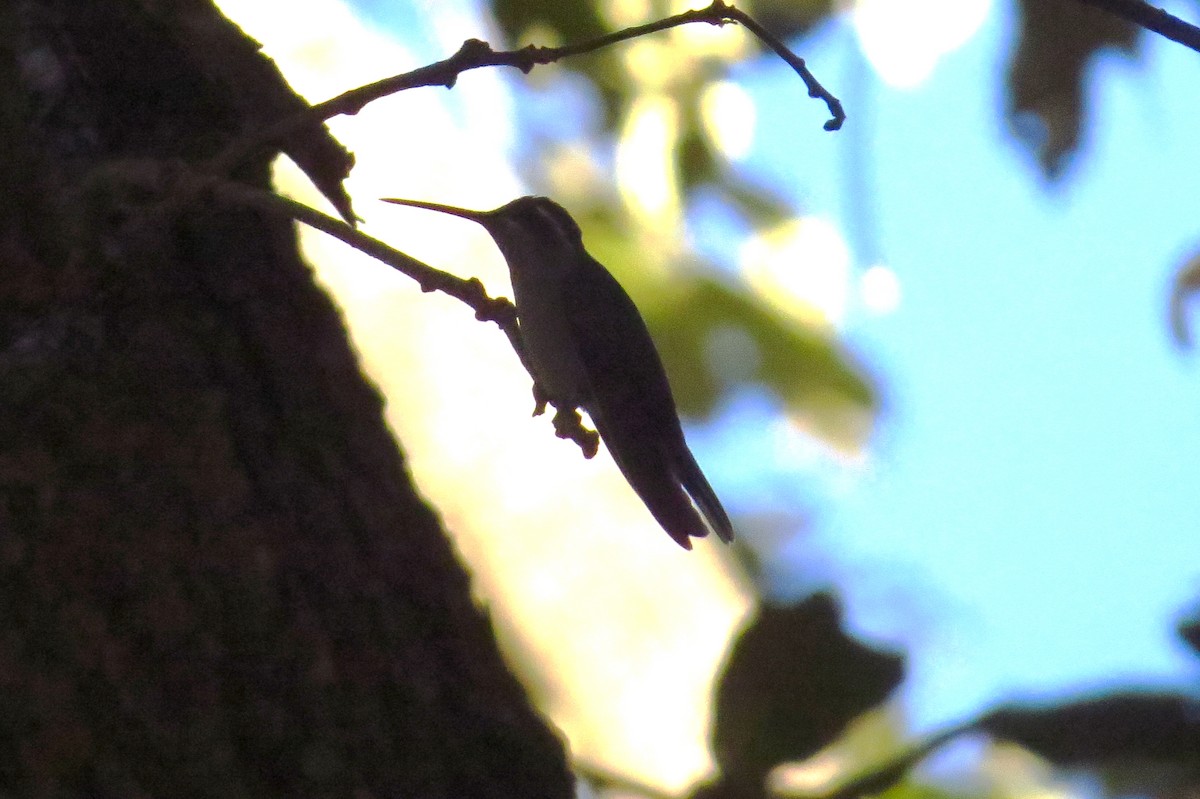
(475, 216)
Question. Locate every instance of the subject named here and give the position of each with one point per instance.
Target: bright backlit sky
(1028, 520)
(1025, 523)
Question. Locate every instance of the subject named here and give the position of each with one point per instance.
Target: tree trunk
(216, 578)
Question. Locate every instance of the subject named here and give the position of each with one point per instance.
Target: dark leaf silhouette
(793, 682)
(1186, 284)
(790, 18)
(570, 21)
(1106, 730)
(1045, 77)
(1189, 631)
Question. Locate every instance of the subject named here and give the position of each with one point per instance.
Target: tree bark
(216, 578)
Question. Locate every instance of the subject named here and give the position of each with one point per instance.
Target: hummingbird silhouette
(588, 347)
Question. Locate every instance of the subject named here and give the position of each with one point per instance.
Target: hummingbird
(588, 347)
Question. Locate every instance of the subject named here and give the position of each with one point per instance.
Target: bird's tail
(694, 482)
(668, 480)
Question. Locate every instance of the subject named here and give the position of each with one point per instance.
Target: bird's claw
(540, 400)
(569, 425)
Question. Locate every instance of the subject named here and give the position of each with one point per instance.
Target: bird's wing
(633, 409)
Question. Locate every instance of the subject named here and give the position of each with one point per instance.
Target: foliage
(794, 680)
(801, 362)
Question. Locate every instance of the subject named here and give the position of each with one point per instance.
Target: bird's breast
(547, 334)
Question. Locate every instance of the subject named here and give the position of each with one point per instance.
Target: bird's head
(536, 220)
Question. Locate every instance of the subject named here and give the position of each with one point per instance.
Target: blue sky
(1028, 525)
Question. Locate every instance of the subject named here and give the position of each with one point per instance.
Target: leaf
(694, 154)
(571, 20)
(793, 682)
(1106, 731)
(1186, 285)
(764, 207)
(802, 364)
(555, 22)
(789, 18)
(1057, 40)
(1189, 631)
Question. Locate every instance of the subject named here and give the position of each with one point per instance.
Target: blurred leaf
(1189, 631)
(793, 682)
(568, 22)
(724, 790)
(891, 779)
(1187, 284)
(1106, 731)
(1045, 77)
(701, 164)
(917, 790)
(571, 20)
(804, 365)
(694, 155)
(789, 18)
(764, 208)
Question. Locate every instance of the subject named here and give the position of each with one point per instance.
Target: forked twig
(475, 54)
(1151, 18)
(567, 422)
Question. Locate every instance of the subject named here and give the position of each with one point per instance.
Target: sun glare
(904, 41)
(879, 287)
(621, 629)
(802, 268)
(729, 118)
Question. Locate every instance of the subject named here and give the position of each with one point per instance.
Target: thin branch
(883, 777)
(1185, 286)
(470, 292)
(1152, 19)
(475, 54)
(603, 778)
(872, 783)
(815, 89)
(567, 422)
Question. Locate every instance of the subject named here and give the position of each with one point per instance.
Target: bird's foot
(569, 425)
(540, 399)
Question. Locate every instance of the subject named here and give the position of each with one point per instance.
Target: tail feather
(651, 477)
(668, 482)
(696, 485)
(672, 509)
(655, 483)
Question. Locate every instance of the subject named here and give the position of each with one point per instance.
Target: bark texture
(216, 578)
